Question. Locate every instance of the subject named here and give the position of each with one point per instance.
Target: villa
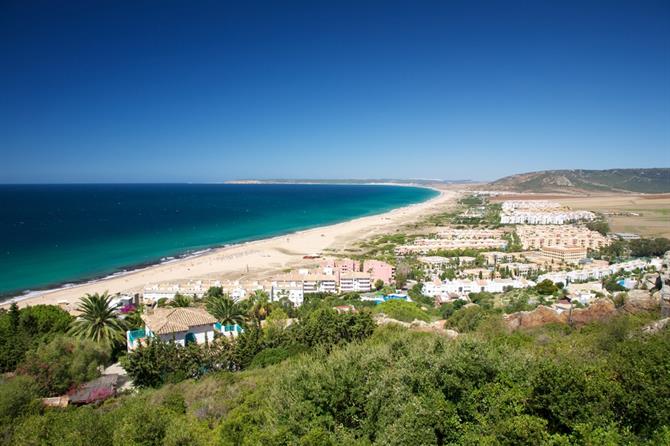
(181, 325)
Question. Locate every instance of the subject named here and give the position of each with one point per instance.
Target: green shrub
(402, 311)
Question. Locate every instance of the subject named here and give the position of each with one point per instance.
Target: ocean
(52, 235)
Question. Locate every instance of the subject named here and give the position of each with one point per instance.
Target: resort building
(198, 288)
(537, 237)
(540, 212)
(291, 290)
(450, 239)
(563, 254)
(180, 325)
(519, 269)
(597, 272)
(355, 282)
(377, 269)
(426, 245)
(447, 290)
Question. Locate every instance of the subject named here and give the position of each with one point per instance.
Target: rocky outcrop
(657, 326)
(540, 316)
(438, 327)
(599, 310)
(638, 301)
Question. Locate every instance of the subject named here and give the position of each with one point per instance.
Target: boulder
(438, 327)
(640, 301)
(598, 310)
(529, 319)
(657, 326)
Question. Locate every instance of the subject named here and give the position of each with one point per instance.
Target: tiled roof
(173, 320)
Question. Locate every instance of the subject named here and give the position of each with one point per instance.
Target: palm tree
(180, 301)
(225, 310)
(259, 305)
(98, 320)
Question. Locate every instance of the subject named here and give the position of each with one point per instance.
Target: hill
(627, 180)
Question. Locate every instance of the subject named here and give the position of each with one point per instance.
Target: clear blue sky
(206, 91)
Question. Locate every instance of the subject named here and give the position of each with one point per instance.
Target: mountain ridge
(647, 180)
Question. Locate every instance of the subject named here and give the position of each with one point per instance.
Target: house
(181, 325)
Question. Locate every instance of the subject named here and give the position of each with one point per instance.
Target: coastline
(249, 260)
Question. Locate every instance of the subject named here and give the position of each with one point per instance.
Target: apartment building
(598, 272)
(563, 254)
(447, 290)
(540, 212)
(537, 237)
(355, 282)
(377, 269)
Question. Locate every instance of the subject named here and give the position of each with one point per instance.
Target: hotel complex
(540, 212)
(537, 237)
(456, 239)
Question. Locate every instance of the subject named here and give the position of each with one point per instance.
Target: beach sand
(257, 260)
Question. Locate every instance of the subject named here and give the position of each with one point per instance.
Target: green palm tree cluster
(99, 321)
(225, 310)
(259, 306)
(180, 301)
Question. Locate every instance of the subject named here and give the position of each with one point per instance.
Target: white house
(181, 325)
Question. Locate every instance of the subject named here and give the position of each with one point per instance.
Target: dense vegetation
(329, 379)
(24, 330)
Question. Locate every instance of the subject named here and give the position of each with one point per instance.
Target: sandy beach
(257, 260)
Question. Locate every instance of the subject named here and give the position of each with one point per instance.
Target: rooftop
(174, 320)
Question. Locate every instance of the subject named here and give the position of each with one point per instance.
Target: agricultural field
(653, 211)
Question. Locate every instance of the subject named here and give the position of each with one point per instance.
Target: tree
(180, 301)
(379, 284)
(600, 226)
(546, 287)
(259, 303)
(225, 310)
(98, 321)
(24, 329)
(63, 363)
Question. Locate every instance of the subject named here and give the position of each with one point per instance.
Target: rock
(438, 327)
(529, 319)
(640, 301)
(657, 326)
(598, 310)
(383, 320)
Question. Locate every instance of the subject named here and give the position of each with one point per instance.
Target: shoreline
(216, 261)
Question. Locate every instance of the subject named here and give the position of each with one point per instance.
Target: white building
(597, 273)
(290, 289)
(355, 282)
(181, 325)
(448, 288)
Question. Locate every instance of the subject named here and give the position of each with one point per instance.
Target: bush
(25, 329)
(18, 397)
(402, 311)
(467, 319)
(63, 364)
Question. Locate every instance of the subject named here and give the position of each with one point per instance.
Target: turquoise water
(56, 234)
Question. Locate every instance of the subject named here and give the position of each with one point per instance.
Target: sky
(188, 91)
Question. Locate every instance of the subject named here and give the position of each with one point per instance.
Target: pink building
(379, 271)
